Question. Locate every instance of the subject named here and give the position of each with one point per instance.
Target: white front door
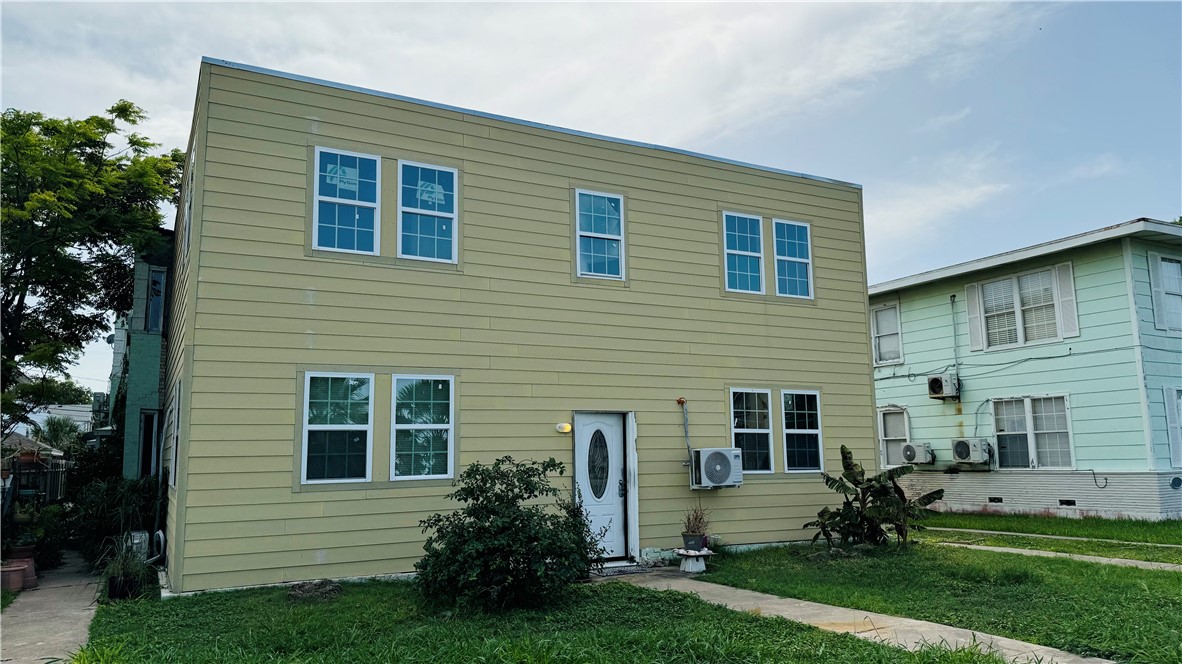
(601, 477)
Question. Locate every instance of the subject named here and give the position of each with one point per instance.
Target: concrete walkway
(905, 632)
(1122, 562)
(52, 620)
(1058, 537)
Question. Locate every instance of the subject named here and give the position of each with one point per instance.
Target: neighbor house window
(885, 330)
(187, 205)
(600, 235)
(424, 427)
(1173, 397)
(794, 259)
(1165, 276)
(155, 314)
(1032, 432)
(338, 427)
(802, 431)
(172, 425)
(744, 253)
(346, 215)
(1024, 308)
(751, 428)
(427, 212)
(893, 433)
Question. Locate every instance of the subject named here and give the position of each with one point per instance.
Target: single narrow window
(802, 431)
(888, 346)
(1171, 276)
(424, 427)
(794, 259)
(338, 427)
(600, 235)
(894, 435)
(1001, 320)
(346, 215)
(1052, 444)
(1032, 432)
(155, 314)
(744, 253)
(751, 428)
(1038, 306)
(1013, 446)
(427, 218)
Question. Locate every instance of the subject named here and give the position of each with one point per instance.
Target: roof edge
(517, 121)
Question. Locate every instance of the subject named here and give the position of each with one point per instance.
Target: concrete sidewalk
(1121, 562)
(1058, 537)
(893, 630)
(52, 620)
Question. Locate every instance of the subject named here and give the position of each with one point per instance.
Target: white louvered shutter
(1068, 316)
(976, 327)
(1174, 426)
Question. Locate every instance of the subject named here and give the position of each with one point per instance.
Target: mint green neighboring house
(140, 343)
(1045, 379)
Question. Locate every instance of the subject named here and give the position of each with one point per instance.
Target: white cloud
(943, 121)
(1091, 168)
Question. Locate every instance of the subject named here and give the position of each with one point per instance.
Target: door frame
(632, 477)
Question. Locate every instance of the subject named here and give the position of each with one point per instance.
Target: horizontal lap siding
(1161, 350)
(1096, 370)
(529, 346)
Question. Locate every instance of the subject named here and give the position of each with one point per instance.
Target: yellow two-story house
(373, 292)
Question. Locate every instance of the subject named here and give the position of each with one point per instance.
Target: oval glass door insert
(597, 464)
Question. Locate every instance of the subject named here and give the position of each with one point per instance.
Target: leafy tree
(38, 387)
(75, 209)
(58, 432)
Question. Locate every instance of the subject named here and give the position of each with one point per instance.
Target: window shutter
(1068, 317)
(1174, 426)
(976, 327)
(1157, 283)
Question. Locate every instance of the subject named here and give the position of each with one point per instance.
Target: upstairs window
(155, 314)
(338, 427)
(346, 214)
(885, 330)
(1032, 432)
(1165, 276)
(751, 428)
(1021, 309)
(744, 253)
(427, 220)
(794, 262)
(600, 235)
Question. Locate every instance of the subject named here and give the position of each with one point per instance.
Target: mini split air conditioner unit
(918, 453)
(716, 468)
(944, 386)
(971, 450)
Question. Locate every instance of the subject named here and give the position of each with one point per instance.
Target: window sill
(385, 261)
(1028, 344)
(377, 485)
(611, 282)
(892, 363)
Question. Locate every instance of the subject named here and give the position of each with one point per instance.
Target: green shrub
(52, 531)
(109, 508)
(496, 551)
(125, 573)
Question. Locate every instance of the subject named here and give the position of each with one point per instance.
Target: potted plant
(23, 514)
(128, 575)
(24, 546)
(693, 528)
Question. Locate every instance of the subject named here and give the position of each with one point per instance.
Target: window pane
(802, 451)
(1173, 311)
(886, 320)
(1054, 449)
(423, 401)
(599, 256)
(155, 318)
(1039, 323)
(792, 241)
(887, 347)
(1036, 289)
(743, 233)
(338, 400)
(334, 455)
(1001, 329)
(427, 236)
(1171, 275)
(756, 453)
(1012, 451)
(599, 214)
(420, 452)
(998, 296)
(894, 425)
(742, 273)
(792, 278)
(801, 412)
(1050, 414)
(425, 188)
(750, 410)
(1010, 416)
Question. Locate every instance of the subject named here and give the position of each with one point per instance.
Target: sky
(973, 128)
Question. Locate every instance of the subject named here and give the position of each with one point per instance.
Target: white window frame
(882, 437)
(820, 437)
(875, 333)
(187, 212)
(454, 215)
(580, 233)
(726, 284)
(175, 435)
(1019, 318)
(1031, 441)
(808, 231)
(771, 414)
(1156, 284)
(450, 427)
(308, 376)
(154, 270)
(376, 205)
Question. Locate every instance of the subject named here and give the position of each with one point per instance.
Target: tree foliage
(75, 209)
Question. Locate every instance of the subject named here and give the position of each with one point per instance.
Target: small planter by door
(693, 541)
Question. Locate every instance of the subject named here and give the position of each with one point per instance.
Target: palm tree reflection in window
(422, 427)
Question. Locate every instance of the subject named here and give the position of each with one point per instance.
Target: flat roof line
(517, 121)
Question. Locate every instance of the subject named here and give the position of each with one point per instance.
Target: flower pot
(693, 541)
(30, 578)
(122, 587)
(18, 552)
(27, 456)
(12, 577)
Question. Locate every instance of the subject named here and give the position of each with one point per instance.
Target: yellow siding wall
(528, 342)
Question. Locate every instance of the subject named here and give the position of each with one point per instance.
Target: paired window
(423, 427)
(346, 213)
(1165, 276)
(1032, 432)
(751, 429)
(154, 319)
(1022, 309)
(794, 262)
(886, 336)
(600, 235)
(338, 427)
(893, 435)
(427, 212)
(744, 253)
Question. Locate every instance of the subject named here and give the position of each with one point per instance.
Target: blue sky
(974, 128)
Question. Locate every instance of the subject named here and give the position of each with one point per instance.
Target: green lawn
(1130, 550)
(6, 598)
(385, 622)
(1120, 613)
(1125, 530)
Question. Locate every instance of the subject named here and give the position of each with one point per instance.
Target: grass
(7, 597)
(1127, 550)
(387, 621)
(1121, 613)
(1125, 530)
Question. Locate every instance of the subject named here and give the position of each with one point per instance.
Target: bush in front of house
(499, 552)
